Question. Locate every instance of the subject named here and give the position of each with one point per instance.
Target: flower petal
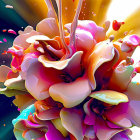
(48, 27)
(21, 39)
(41, 78)
(109, 96)
(15, 83)
(4, 70)
(119, 115)
(18, 134)
(134, 88)
(102, 52)
(23, 101)
(72, 65)
(53, 133)
(49, 114)
(121, 136)
(33, 134)
(58, 125)
(70, 94)
(102, 131)
(11, 92)
(124, 73)
(135, 56)
(72, 122)
(134, 112)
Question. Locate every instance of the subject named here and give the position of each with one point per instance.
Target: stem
(61, 27)
(74, 24)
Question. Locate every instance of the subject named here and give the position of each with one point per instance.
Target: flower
(74, 81)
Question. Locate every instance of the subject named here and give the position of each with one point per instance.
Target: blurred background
(17, 18)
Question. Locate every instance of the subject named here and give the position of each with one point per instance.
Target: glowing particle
(4, 125)
(137, 83)
(12, 31)
(116, 25)
(66, 8)
(18, 109)
(5, 52)
(4, 30)
(5, 40)
(93, 14)
(9, 6)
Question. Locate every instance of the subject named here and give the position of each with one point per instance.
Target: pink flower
(74, 83)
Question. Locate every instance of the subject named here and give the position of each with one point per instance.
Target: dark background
(9, 19)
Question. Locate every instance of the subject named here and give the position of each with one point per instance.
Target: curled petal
(134, 88)
(48, 27)
(11, 92)
(72, 122)
(52, 133)
(15, 83)
(103, 52)
(97, 32)
(121, 73)
(119, 115)
(102, 131)
(60, 65)
(90, 117)
(21, 39)
(70, 94)
(90, 133)
(58, 125)
(121, 136)
(134, 112)
(109, 96)
(41, 79)
(135, 56)
(4, 70)
(23, 100)
(72, 65)
(49, 114)
(18, 134)
(33, 134)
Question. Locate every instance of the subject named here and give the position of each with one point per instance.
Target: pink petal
(121, 136)
(103, 52)
(72, 122)
(70, 94)
(72, 65)
(21, 39)
(4, 70)
(123, 73)
(48, 27)
(102, 131)
(119, 115)
(52, 133)
(134, 112)
(52, 113)
(39, 79)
